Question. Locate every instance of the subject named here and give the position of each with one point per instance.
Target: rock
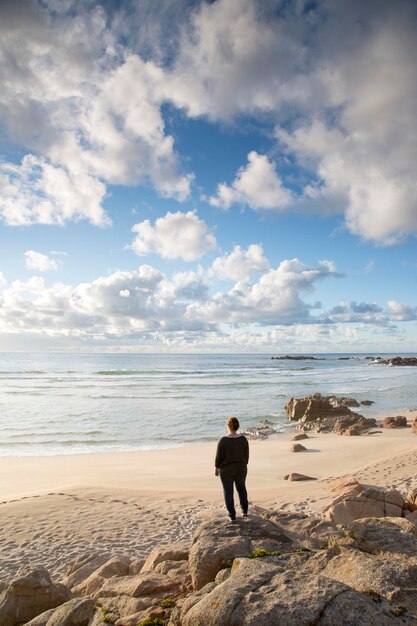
(135, 566)
(390, 536)
(340, 485)
(412, 499)
(30, 595)
(82, 567)
(393, 579)
(397, 421)
(411, 517)
(293, 477)
(172, 552)
(368, 502)
(76, 612)
(297, 358)
(115, 567)
(327, 414)
(306, 531)
(144, 584)
(263, 593)
(297, 447)
(372, 432)
(215, 544)
(367, 402)
(259, 432)
(299, 437)
(42, 619)
(414, 426)
(398, 360)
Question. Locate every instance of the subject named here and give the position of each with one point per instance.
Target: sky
(194, 176)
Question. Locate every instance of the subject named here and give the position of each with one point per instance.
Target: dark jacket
(232, 456)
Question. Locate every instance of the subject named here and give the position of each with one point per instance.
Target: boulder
(294, 477)
(414, 426)
(341, 485)
(115, 567)
(367, 402)
(394, 579)
(411, 517)
(306, 531)
(412, 499)
(76, 612)
(391, 537)
(83, 566)
(216, 543)
(144, 584)
(173, 552)
(367, 502)
(395, 421)
(299, 437)
(262, 593)
(297, 447)
(30, 595)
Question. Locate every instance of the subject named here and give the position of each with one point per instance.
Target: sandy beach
(55, 508)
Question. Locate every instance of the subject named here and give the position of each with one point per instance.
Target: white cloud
(174, 236)
(240, 264)
(72, 95)
(400, 312)
(257, 185)
(2, 279)
(38, 261)
(274, 299)
(36, 192)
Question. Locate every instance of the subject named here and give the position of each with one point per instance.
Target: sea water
(75, 403)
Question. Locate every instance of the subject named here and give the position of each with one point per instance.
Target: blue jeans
(228, 482)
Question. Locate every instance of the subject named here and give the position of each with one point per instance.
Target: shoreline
(56, 508)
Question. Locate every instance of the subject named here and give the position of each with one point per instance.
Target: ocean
(76, 403)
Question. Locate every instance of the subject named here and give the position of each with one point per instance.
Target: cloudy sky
(184, 175)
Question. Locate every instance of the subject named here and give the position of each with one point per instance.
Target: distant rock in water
(263, 431)
(328, 414)
(398, 360)
(297, 358)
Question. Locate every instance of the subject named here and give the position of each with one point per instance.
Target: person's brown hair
(233, 423)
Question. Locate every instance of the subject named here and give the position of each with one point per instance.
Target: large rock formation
(216, 543)
(29, 595)
(280, 568)
(328, 414)
(365, 576)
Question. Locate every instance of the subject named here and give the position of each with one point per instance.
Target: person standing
(231, 463)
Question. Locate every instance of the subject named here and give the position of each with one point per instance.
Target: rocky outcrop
(216, 543)
(288, 596)
(328, 414)
(398, 360)
(395, 421)
(277, 568)
(30, 595)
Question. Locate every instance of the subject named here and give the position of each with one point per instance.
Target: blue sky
(208, 176)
